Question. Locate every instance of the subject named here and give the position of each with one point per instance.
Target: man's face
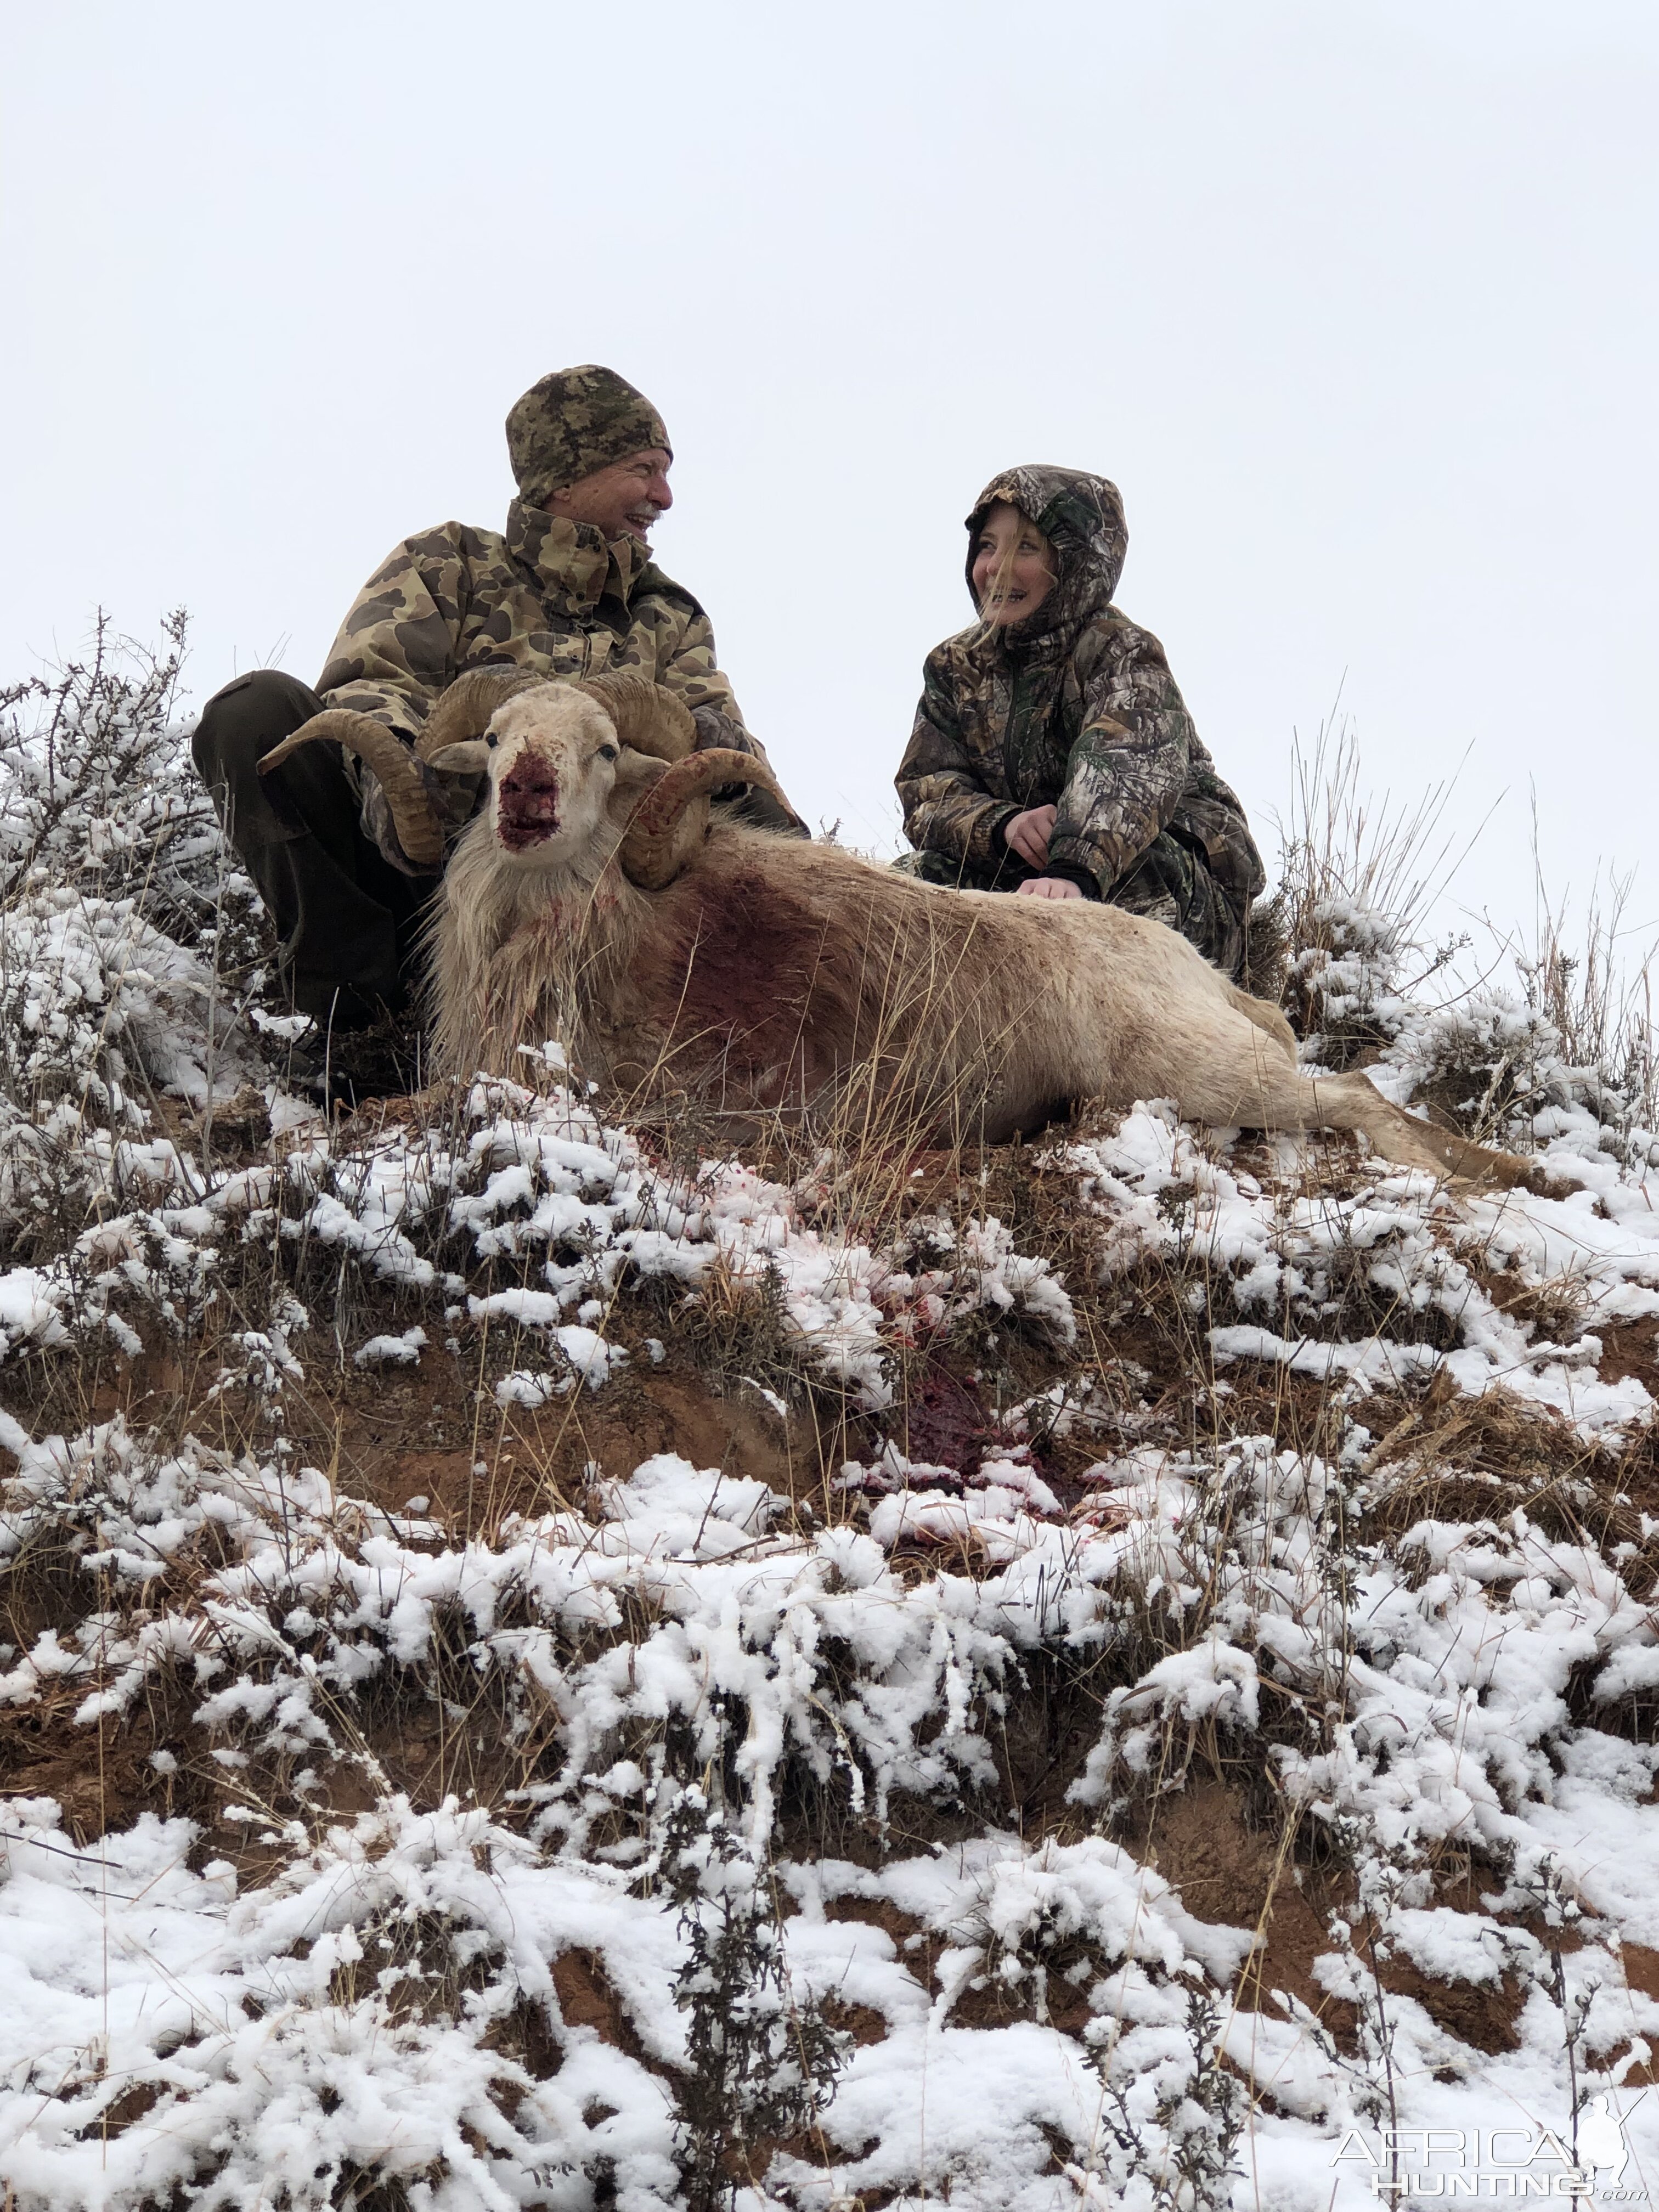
(622, 500)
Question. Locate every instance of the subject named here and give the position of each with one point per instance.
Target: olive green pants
(1170, 882)
(347, 921)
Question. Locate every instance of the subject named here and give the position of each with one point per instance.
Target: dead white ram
(595, 897)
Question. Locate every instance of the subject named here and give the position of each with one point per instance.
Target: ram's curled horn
(464, 711)
(648, 717)
(419, 830)
(652, 852)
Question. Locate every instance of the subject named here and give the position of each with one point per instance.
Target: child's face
(1013, 566)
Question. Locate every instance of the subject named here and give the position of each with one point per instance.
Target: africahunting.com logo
(1404, 2165)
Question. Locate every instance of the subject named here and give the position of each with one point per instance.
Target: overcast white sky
(1354, 301)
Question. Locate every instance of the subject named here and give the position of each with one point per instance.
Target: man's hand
(1027, 835)
(1050, 886)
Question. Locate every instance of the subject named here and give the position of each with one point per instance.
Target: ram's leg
(1246, 1082)
(1239, 1073)
(1348, 1102)
(1268, 1018)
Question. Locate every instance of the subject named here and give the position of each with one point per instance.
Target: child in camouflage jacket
(1052, 754)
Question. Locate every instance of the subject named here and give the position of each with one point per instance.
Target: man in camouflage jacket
(1075, 708)
(569, 589)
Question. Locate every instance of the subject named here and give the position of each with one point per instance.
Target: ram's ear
(638, 771)
(469, 757)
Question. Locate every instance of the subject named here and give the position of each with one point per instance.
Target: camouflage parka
(548, 594)
(1074, 708)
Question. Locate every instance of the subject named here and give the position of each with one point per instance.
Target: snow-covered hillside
(542, 1668)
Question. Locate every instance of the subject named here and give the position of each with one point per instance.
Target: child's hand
(1027, 835)
(1050, 887)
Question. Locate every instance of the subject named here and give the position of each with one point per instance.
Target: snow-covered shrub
(1598, 998)
(334, 2036)
(1068, 1923)
(760, 2064)
(1174, 2123)
(1490, 1062)
(1343, 990)
(1358, 880)
(683, 1623)
(99, 1015)
(98, 794)
(1499, 1067)
(1382, 1284)
(1225, 1539)
(1567, 1051)
(129, 941)
(103, 1011)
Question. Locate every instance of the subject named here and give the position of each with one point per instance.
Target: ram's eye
(490, 737)
(607, 752)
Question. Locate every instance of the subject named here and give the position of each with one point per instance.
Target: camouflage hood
(1075, 709)
(1082, 518)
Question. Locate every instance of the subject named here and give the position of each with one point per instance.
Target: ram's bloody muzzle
(527, 803)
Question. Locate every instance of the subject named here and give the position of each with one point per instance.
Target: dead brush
(735, 1329)
(1210, 1588)
(90, 765)
(85, 1507)
(1449, 1457)
(1267, 963)
(1333, 1273)
(1555, 1311)
(392, 1269)
(1359, 879)
(42, 1584)
(1489, 1069)
(871, 1169)
(1043, 1967)
(762, 2062)
(1598, 1000)
(1380, 1292)
(1163, 1605)
(418, 1963)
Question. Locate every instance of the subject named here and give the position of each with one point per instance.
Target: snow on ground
(1289, 1252)
(340, 2018)
(529, 1173)
(167, 2028)
(345, 2016)
(1040, 2023)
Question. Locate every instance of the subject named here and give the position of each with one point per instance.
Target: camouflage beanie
(574, 422)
